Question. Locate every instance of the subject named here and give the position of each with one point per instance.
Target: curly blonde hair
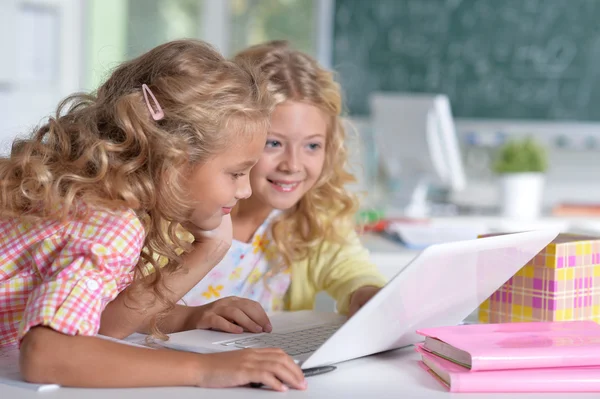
(326, 211)
(105, 151)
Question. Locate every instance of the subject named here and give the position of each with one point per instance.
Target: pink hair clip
(157, 114)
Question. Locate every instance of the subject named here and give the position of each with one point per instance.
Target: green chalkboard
(506, 59)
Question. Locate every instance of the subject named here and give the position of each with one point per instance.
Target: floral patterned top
(246, 271)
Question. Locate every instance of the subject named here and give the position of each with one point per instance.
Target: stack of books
(514, 357)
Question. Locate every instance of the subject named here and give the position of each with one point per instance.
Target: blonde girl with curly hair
(95, 196)
(295, 236)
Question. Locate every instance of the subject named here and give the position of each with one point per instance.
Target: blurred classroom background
(509, 69)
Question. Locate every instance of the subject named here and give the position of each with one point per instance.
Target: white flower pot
(521, 195)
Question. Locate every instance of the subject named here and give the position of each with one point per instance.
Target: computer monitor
(417, 144)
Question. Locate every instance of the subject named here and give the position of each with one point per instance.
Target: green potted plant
(521, 166)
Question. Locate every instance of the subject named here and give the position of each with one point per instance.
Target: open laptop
(440, 287)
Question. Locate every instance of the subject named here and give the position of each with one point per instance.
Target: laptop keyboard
(293, 343)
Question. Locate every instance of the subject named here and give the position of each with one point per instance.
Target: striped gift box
(561, 283)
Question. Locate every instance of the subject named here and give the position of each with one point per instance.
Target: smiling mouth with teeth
(284, 187)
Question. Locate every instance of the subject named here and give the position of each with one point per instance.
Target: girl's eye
(272, 144)
(236, 176)
(314, 146)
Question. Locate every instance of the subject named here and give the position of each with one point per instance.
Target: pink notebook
(517, 345)
(459, 379)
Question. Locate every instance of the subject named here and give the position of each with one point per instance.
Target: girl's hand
(219, 239)
(360, 297)
(231, 314)
(223, 233)
(269, 366)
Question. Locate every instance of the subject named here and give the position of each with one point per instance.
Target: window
(117, 30)
(246, 22)
(256, 21)
(152, 22)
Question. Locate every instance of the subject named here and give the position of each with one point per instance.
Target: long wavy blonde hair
(326, 211)
(104, 151)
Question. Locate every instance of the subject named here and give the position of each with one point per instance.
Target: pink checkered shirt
(62, 275)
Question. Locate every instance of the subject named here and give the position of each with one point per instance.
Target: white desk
(390, 375)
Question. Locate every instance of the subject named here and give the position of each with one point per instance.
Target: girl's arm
(122, 317)
(47, 356)
(230, 314)
(343, 269)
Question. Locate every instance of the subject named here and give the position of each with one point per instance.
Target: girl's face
(293, 158)
(218, 184)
